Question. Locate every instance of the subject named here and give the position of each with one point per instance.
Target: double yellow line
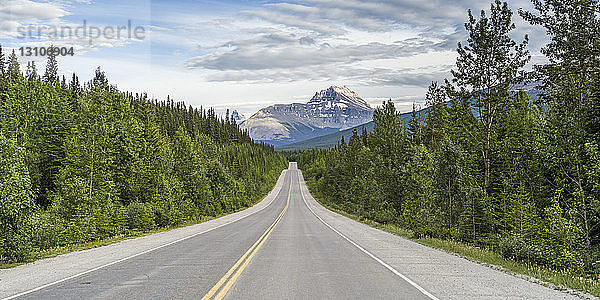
(229, 280)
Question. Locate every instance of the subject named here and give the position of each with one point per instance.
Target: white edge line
(135, 255)
(421, 289)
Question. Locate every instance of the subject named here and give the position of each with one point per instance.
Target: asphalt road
(289, 248)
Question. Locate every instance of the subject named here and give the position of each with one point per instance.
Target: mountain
(237, 117)
(325, 141)
(331, 140)
(328, 111)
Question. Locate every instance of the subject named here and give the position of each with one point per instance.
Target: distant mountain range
(332, 139)
(328, 111)
(326, 141)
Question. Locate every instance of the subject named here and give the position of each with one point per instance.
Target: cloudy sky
(249, 54)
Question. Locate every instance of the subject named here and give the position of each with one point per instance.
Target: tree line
(486, 164)
(81, 162)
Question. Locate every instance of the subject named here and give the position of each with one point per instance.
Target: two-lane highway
(306, 259)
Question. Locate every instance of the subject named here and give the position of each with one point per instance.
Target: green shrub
(517, 248)
(162, 216)
(140, 216)
(48, 230)
(385, 214)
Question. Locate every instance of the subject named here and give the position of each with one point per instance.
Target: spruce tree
(14, 70)
(2, 63)
(51, 74)
(31, 72)
(437, 115)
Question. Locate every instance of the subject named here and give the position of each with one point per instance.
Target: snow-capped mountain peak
(237, 117)
(330, 110)
(338, 96)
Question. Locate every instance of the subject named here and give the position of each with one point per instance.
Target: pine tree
(31, 72)
(415, 125)
(437, 116)
(99, 81)
(2, 63)
(14, 70)
(51, 74)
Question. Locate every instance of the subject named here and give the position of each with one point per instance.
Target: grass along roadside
(56, 251)
(565, 281)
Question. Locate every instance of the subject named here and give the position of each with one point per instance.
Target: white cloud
(30, 11)
(294, 56)
(315, 25)
(15, 14)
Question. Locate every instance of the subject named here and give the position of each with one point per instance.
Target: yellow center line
(246, 258)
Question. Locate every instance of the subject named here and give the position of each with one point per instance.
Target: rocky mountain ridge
(330, 110)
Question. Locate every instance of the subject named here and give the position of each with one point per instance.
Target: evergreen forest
(83, 162)
(487, 165)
